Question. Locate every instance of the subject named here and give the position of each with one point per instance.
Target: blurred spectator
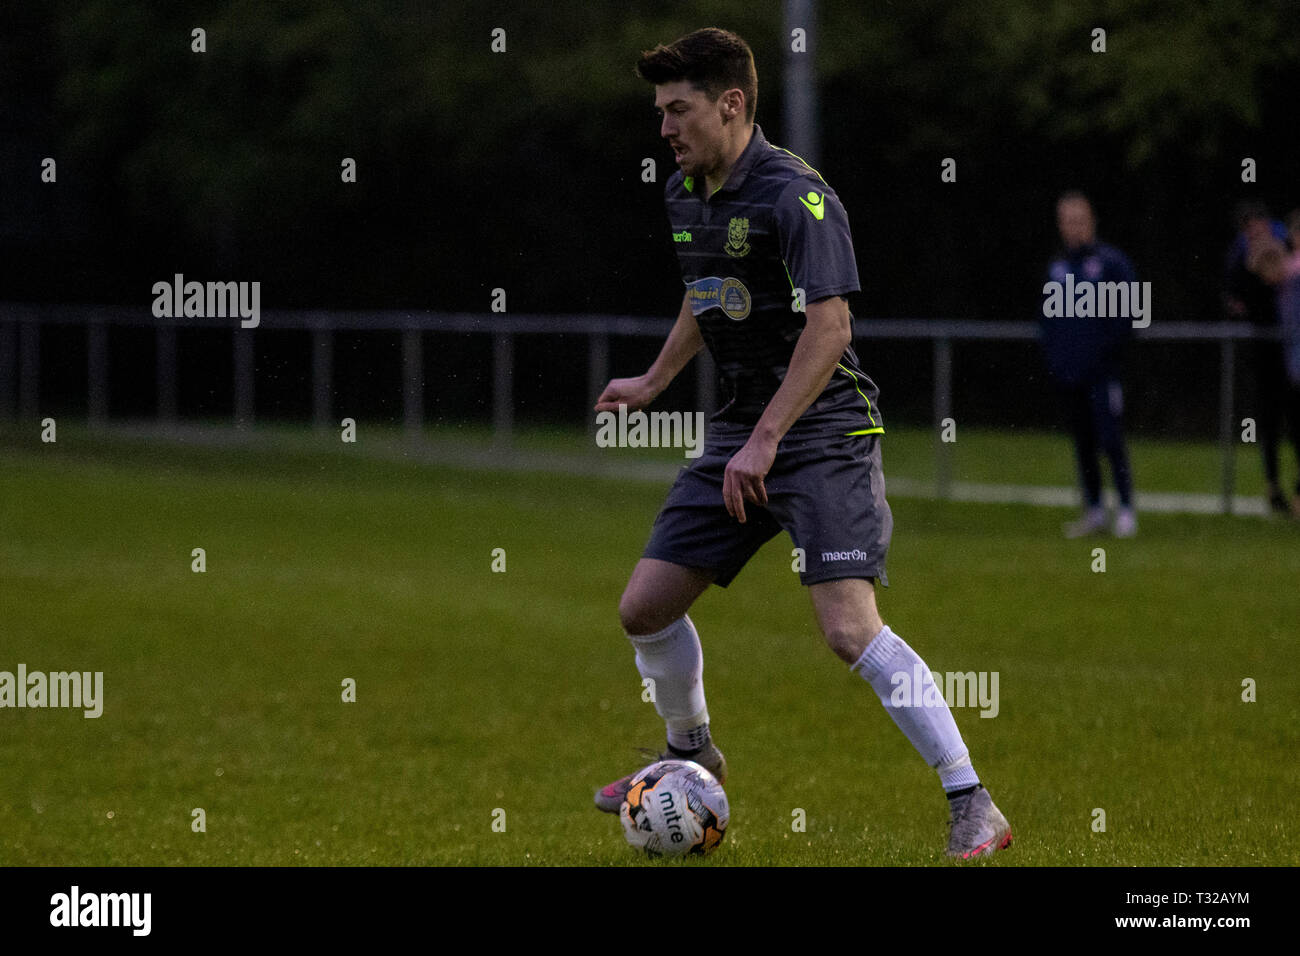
(1256, 270)
(1289, 302)
(1288, 309)
(1084, 358)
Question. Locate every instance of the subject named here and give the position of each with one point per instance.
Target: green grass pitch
(1120, 691)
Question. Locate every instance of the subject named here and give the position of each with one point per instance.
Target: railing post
(1227, 385)
(96, 372)
(413, 383)
(942, 410)
(322, 375)
(597, 376)
(29, 369)
(8, 368)
(165, 346)
(503, 403)
(244, 399)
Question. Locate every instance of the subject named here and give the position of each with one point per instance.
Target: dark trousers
(1277, 404)
(1095, 412)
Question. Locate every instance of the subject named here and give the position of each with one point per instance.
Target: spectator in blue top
(1084, 355)
(1253, 279)
(1289, 309)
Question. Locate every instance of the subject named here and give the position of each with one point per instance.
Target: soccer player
(797, 444)
(1084, 358)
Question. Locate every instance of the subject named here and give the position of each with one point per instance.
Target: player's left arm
(827, 333)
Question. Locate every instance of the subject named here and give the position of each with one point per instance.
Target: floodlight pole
(802, 112)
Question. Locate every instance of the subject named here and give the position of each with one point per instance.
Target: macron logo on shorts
(854, 555)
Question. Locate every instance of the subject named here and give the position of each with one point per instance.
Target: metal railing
(20, 326)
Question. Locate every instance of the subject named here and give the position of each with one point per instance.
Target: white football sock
(674, 660)
(921, 713)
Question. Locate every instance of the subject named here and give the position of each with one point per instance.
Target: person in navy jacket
(1084, 355)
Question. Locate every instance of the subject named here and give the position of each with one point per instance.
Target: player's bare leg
(847, 615)
(653, 613)
(850, 622)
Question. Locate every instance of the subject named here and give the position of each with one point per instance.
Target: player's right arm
(682, 344)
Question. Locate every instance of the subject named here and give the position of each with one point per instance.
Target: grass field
(479, 690)
(1022, 457)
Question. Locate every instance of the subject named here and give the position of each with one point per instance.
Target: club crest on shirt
(737, 238)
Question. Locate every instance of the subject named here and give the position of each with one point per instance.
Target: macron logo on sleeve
(815, 204)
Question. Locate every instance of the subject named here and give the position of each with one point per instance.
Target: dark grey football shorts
(828, 494)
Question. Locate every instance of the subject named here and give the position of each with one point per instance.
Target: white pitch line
(1056, 496)
(608, 464)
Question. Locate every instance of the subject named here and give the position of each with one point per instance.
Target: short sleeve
(813, 230)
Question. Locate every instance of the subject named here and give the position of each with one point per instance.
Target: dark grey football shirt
(773, 227)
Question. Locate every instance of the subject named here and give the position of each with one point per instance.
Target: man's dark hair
(711, 60)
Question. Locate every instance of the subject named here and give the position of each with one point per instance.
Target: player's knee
(641, 616)
(847, 640)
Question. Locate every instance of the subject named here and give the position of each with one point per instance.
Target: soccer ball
(675, 807)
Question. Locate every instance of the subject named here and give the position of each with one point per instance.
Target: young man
(1252, 295)
(1084, 359)
(1288, 312)
(796, 447)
